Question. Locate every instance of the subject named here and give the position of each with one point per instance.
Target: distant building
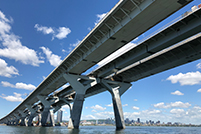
(158, 122)
(138, 120)
(169, 123)
(127, 121)
(109, 121)
(59, 116)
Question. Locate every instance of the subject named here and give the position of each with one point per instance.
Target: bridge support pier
(116, 89)
(39, 120)
(32, 115)
(29, 123)
(8, 123)
(76, 112)
(79, 98)
(23, 121)
(17, 119)
(46, 112)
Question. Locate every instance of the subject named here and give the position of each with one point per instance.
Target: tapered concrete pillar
(52, 122)
(17, 119)
(118, 112)
(116, 89)
(32, 115)
(23, 122)
(29, 123)
(8, 121)
(76, 112)
(39, 120)
(46, 112)
(79, 98)
(45, 115)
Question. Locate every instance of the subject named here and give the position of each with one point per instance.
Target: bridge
(175, 44)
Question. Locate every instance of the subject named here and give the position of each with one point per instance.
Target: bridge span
(127, 20)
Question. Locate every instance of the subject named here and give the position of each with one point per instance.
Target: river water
(99, 130)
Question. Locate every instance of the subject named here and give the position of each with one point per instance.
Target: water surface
(99, 130)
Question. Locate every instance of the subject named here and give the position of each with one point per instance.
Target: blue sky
(35, 36)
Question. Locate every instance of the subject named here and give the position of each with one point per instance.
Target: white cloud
(109, 105)
(98, 107)
(7, 71)
(3, 17)
(177, 104)
(12, 47)
(18, 85)
(62, 32)
(88, 117)
(151, 111)
(135, 99)
(64, 108)
(199, 90)
(177, 93)
(197, 107)
(198, 65)
(64, 51)
(59, 33)
(125, 105)
(177, 111)
(17, 97)
(54, 60)
(190, 78)
(93, 110)
(72, 46)
(99, 18)
(136, 108)
(44, 77)
(104, 115)
(44, 29)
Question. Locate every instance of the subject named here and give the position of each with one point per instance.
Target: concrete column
(46, 111)
(29, 123)
(8, 121)
(32, 115)
(76, 112)
(118, 112)
(79, 98)
(39, 120)
(17, 119)
(116, 92)
(12, 122)
(45, 114)
(52, 118)
(23, 121)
